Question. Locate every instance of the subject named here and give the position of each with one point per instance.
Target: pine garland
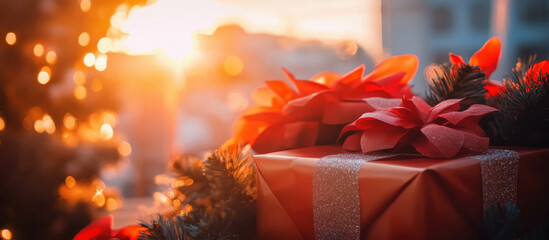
(219, 204)
(524, 110)
(454, 82)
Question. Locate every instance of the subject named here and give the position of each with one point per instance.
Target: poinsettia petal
(487, 57)
(310, 107)
(381, 137)
(285, 136)
(403, 63)
(426, 148)
(352, 143)
(281, 89)
(371, 119)
(540, 67)
(264, 96)
(344, 112)
(444, 106)
(456, 59)
(99, 229)
(131, 232)
(308, 87)
(475, 143)
(473, 114)
(448, 141)
(382, 103)
(389, 84)
(328, 79)
(418, 106)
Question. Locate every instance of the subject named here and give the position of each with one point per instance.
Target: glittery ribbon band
(499, 175)
(336, 201)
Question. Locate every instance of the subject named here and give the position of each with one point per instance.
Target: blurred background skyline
(97, 96)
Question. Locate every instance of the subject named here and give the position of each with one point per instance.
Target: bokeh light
(69, 121)
(51, 57)
(6, 234)
(106, 131)
(233, 65)
(101, 62)
(89, 59)
(79, 77)
(104, 45)
(70, 181)
(84, 39)
(124, 149)
(11, 38)
(38, 50)
(80, 92)
(44, 75)
(85, 5)
(2, 124)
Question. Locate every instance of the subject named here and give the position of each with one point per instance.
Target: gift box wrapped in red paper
(398, 196)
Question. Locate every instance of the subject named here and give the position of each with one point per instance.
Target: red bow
(439, 131)
(102, 230)
(486, 58)
(313, 113)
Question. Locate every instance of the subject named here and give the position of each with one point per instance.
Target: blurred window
(533, 11)
(442, 20)
(480, 16)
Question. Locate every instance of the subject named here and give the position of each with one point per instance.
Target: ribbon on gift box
(336, 200)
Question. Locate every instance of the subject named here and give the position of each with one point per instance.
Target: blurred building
(231, 63)
(433, 28)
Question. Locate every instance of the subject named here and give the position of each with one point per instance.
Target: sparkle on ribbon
(499, 176)
(336, 200)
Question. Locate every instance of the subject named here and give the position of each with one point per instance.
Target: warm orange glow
(11, 38)
(6, 234)
(106, 131)
(112, 204)
(160, 197)
(237, 102)
(99, 198)
(79, 77)
(44, 75)
(233, 65)
(38, 50)
(110, 118)
(2, 124)
(49, 125)
(124, 149)
(157, 26)
(96, 85)
(89, 59)
(84, 39)
(101, 62)
(39, 126)
(69, 121)
(51, 57)
(85, 5)
(104, 45)
(70, 181)
(80, 92)
(349, 48)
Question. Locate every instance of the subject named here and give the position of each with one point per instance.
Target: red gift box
(400, 197)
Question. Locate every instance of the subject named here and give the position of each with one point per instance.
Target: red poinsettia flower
(486, 58)
(441, 131)
(534, 72)
(102, 230)
(316, 110)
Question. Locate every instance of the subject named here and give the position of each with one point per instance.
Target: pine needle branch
(454, 82)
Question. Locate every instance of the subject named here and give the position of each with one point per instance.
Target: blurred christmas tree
(56, 117)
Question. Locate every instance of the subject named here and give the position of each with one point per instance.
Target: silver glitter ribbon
(499, 176)
(336, 200)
